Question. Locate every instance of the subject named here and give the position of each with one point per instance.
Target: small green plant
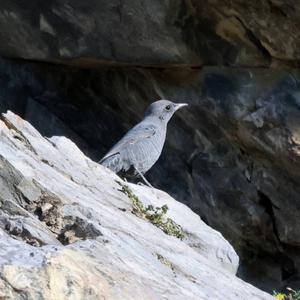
(155, 215)
(278, 296)
(290, 295)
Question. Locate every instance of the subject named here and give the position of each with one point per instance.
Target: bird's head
(163, 109)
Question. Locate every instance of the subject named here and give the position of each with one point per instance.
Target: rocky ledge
(71, 229)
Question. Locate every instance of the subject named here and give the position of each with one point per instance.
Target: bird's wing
(138, 133)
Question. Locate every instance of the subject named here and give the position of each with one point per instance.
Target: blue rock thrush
(141, 146)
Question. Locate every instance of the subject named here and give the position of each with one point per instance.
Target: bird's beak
(179, 105)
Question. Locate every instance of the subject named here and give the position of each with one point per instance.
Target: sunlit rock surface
(68, 232)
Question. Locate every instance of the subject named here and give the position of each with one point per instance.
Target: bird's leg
(143, 177)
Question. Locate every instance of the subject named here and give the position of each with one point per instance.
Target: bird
(141, 146)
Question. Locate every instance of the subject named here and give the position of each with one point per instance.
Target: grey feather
(130, 149)
(141, 146)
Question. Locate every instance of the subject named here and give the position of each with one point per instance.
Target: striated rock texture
(67, 231)
(233, 156)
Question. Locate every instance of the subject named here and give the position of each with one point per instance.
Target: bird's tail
(111, 162)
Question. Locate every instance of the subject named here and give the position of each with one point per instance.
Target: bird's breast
(147, 152)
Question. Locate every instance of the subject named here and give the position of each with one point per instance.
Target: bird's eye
(168, 107)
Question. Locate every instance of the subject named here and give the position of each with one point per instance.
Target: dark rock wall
(136, 32)
(89, 69)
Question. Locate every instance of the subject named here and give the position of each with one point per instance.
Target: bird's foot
(150, 186)
(145, 184)
(144, 179)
